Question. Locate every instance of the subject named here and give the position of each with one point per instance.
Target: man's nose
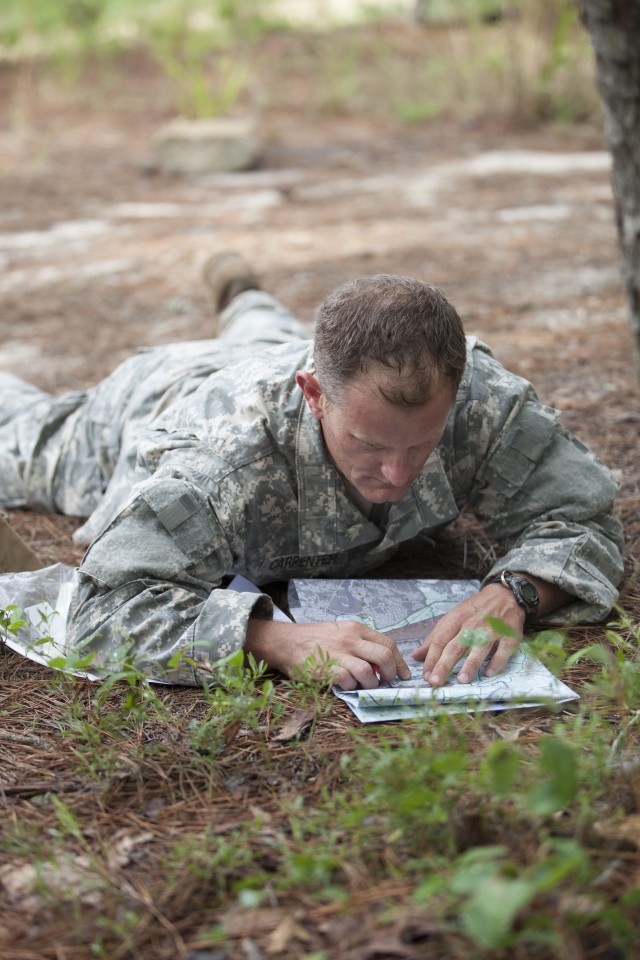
(397, 470)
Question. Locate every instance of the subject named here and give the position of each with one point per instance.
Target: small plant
(419, 110)
(241, 695)
(495, 890)
(208, 82)
(11, 619)
(205, 49)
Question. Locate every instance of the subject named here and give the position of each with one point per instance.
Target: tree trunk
(614, 27)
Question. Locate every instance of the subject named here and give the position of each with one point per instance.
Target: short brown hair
(402, 323)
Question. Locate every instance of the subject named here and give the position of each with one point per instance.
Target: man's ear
(312, 390)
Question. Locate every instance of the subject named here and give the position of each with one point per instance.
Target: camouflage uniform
(234, 478)
(76, 454)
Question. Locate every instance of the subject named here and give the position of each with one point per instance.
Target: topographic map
(407, 611)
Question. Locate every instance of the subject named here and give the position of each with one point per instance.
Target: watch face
(528, 593)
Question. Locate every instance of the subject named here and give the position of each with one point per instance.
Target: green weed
(418, 111)
(121, 930)
(207, 82)
(11, 619)
(242, 695)
(493, 835)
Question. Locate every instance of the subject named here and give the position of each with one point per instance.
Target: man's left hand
(443, 648)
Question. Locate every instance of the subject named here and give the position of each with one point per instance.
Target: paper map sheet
(407, 610)
(44, 597)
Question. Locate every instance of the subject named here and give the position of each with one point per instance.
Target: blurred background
(395, 136)
(414, 59)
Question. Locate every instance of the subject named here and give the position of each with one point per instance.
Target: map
(407, 611)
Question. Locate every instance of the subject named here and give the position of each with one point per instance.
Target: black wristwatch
(523, 590)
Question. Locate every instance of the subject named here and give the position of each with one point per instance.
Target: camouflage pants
(76, 454)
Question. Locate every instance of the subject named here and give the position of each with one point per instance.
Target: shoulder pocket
(521, 449)
(186, 515)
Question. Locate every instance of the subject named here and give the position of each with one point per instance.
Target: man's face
(378, 446)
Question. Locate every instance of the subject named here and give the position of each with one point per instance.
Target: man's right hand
(359, 655)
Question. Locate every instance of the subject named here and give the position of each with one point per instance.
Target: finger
(447, 650)
(401, 667)
(503, 653)
(353, 671)
(420, 652)
(438, 640)
(444, 646)
(389, 669)
(329, 673)
(383, 658)
(342, 677)
(443, 666)
(473, 663)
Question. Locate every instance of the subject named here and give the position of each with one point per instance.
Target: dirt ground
(100, 255)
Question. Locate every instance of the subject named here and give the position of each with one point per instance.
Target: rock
(218, 145)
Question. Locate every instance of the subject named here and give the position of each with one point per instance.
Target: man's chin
(381, 493)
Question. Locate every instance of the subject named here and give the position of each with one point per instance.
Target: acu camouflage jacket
(239, 482)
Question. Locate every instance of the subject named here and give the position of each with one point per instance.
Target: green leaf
(426, 890)
(475, 866)
(11, 619)
(502, 763)
(71, 662)
(476, 637)
(596, 652)
(67, 818)
(548, 646)
(557, 761)
(176, 659)
(566, 858)
(501, 628)
(489, 914)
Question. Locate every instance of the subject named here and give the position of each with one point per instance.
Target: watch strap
(525, 593)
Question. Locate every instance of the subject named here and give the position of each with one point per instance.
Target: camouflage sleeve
(150, 584)
(546, 499)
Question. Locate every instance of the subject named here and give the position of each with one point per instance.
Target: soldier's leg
(255, 317)
(247, 315)
(117, 407)
(57, 453)
(60, 453)
(31, 444)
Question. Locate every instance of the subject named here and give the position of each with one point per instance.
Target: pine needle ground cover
(257, 819)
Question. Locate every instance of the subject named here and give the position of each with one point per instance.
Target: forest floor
(101, 254)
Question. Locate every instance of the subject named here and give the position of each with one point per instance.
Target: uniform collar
(328, 521)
